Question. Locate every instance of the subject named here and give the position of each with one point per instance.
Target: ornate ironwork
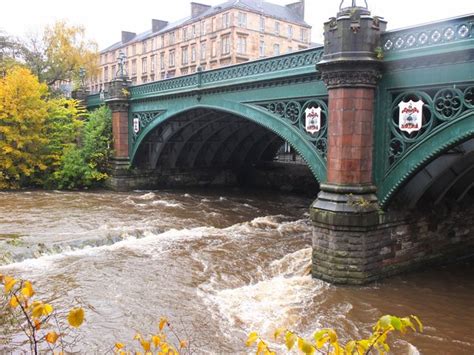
(145, 118)
(460, 29)
(441, 107)
(293, 111)
(354, 4)
(282, 64)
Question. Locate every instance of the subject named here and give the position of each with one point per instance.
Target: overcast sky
(105, 19)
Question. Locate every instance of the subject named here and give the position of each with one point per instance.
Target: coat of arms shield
(313, 119)
(136, 125)
(411, 115)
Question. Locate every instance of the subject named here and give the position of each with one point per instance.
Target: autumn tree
(35, 130)
(59, 53)
(23, 113)
(10, 51)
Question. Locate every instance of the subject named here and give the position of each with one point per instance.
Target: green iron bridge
(238, 116)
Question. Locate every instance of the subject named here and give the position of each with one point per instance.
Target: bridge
(391, 149)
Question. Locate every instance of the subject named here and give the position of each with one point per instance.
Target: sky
(105, 19)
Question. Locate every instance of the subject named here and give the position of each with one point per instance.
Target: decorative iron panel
(293, 112)
(144, 119)
(441, 106)
(455, 30)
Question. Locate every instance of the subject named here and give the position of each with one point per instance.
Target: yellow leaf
(156, 340)
(145, 345)
(119, 345)
(252, 338)
(41, 309)
(13, 302)
(27, 290)
(350, 346)
(137, 336)
(261, 346)
(76, 317)
(51, 337)
(290, 340)
(37, 324)
(163, 322)
(278, 332)
(9, 283)
(418, 321)
(183, 344)
(305, 346)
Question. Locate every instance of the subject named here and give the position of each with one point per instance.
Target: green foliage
(85, 164)
(325, 341)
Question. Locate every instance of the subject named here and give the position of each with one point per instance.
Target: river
(218, 264)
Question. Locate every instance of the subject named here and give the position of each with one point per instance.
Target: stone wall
(399, 242)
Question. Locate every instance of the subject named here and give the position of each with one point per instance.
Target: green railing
(296, 63)
(93, 100)
(442, 33)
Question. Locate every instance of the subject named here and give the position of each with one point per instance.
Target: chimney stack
(198, 9)
(158, 25)
(297, 8)
(127, 36)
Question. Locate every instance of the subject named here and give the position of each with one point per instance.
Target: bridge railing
(435, 37)
(93, 101)
(296, 63)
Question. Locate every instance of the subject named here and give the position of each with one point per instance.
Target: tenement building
(212, 36)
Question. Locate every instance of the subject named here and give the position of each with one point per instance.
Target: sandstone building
(233, 32)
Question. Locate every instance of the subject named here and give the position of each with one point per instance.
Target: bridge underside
(206, 146)
(449, 177)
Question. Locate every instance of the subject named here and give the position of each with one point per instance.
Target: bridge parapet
(431, 38)
(283, 66)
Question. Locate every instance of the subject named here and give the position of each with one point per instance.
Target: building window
(126, 51)
(203, 50)
(213, 49)
(193, 31)
(225, 45)
(162, 41)
(261, 49)
(193, 54)
(134, 67)
(290, 49)
(171, 61)
(185, 34)
(203, 28)
(143, 47)
(225, 20)
(106, 74)
(277, 28)
(242, 19)
(162, 61)
(262, 24)
(152, 44)
(144, 65)
(152, 63)
(213, 24)
(113, 72)
(171, 38)
(184, 55)
(134, 49)
(290, 32)
(302, 35)
(276, 49)
(241, 44)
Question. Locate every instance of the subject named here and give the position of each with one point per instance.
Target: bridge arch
(245, 112)
(430, 161)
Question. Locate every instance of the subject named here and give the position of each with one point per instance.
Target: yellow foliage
(76, 317)
(41, 309)
(9, 282)
(163, 322)
(27, 290)
(51, 337)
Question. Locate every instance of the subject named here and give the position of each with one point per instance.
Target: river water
(218, 264)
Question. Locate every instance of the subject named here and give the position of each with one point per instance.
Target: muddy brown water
(218, 264)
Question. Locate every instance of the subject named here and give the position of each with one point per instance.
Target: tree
(59, 54)
(35, 130)
(10, 50)
(23, 113)
(85, 164)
